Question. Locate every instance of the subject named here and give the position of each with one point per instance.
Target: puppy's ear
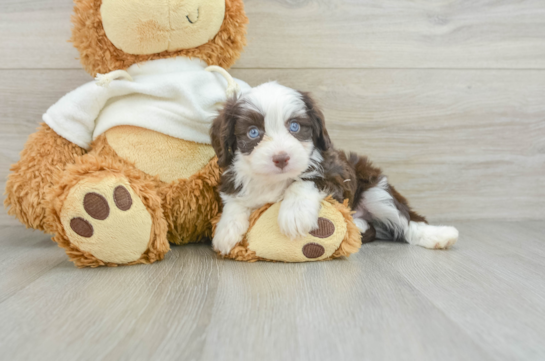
(319, 132)
(222, 133)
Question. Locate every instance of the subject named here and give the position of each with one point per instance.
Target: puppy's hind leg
(434, 237)
(368, 232)
(421, 233)
(393, 218)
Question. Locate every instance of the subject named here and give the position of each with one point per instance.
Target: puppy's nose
(281, 160)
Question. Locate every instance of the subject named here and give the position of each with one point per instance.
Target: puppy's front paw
(295, 222)
(226, 238)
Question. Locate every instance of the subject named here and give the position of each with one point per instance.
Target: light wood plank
(24, 97)
(390, 301)
(286, 316)
(396, 34)
(524, 242)
(26, 256)
(34, 34)
(492, 294)
(194, 306)
(330, 34)
(68, 312)
(520, 247)
(459, 144)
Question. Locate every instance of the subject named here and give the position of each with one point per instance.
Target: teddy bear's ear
(112, 35)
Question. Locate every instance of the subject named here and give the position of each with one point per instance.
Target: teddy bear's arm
(44, 154)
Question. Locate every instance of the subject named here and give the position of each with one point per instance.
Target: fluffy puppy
(273, 146)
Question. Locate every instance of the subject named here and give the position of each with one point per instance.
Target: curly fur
(92, 166)
(50, 165)
(352, 241)
(188, 204)
(45, 154)
(191, 203)
(99, 55)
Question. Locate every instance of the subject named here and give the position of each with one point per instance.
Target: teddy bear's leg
(188, 176)
(337, 236)
(106, 212)
(45, 154)
(191, 204)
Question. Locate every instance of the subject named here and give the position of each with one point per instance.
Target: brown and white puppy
(273, 146)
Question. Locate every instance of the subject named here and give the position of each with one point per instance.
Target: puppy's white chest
(259, 194)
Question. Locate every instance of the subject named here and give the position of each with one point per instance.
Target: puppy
(272, 146)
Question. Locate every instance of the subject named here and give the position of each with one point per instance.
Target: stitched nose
(281, 160)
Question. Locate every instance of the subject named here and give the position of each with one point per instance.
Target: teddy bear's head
(115, 34)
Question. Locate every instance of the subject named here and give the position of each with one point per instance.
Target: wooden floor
(482, 300)
(448, 97)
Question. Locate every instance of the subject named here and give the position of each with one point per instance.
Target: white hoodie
(173, 96)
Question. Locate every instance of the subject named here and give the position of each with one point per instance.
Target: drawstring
(232, 86)
(104, 80)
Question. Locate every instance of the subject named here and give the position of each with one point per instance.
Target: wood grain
(325, 34)
(34, 34)
(483, 285)
(24, 96)
(448, 97)
(481, 300)
(395, 34)
(26, 255)
(456, 142)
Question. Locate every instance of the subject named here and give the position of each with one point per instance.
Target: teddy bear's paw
(104, 217)
(268, 242)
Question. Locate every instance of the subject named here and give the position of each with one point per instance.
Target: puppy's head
(272, 131)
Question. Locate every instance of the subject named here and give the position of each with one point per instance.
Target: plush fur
(184, 209)
(273, 144)
(350, 244)
(45, 154)
(99, 55)
(50, 166)
(93, 166)
(188, 205)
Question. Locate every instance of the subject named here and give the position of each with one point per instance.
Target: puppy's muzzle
(281, 159)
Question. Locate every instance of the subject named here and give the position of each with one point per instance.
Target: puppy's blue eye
(294, 127)
(253, 133)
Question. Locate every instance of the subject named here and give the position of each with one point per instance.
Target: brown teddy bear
(123, 165)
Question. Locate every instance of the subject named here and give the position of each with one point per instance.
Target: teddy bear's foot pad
(105, 218)
(97, 207)
(313, 250)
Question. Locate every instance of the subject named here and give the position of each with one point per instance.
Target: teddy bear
(122, 167)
